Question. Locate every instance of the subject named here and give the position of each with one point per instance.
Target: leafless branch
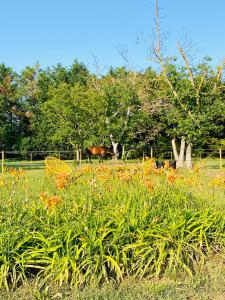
(161, 61)
(187, 64)
(123, 52)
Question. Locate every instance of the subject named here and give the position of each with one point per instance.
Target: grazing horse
(100, 151)
(159, 164)
(173, 164)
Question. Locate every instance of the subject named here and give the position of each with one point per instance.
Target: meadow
(108, 229)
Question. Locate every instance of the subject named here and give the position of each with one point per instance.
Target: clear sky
(56, 31)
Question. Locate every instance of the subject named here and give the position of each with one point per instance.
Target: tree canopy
(56, 108)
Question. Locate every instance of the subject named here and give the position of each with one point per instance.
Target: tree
(78, 73)
(191, 91)
(154, 106)
(121, 105)
(8, 121)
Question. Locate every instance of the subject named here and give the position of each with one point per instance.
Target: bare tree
(196, 87)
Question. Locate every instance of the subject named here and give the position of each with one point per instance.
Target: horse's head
(110, 152)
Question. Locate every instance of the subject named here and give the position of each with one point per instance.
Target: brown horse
(100, 151)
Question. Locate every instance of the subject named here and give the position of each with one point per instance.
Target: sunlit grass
(108, 222)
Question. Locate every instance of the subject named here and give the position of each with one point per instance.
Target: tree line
(65, 108)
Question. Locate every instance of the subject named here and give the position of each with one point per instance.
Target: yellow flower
(12, 172)
(49, 201)
(149, 185)
(17, 173)
(53, 201)
(2, 182)
(171, 179)
(43, 196)
(62, 180)
(218, 181)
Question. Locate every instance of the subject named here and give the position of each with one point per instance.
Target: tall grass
(109, 224)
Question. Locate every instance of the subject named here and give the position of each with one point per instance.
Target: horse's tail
(87, 154)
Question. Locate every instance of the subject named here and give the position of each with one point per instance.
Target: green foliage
(197, 102)
(8, 122)
(103, 230)
(49, 109)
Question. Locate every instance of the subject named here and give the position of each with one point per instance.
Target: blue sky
(54, 31)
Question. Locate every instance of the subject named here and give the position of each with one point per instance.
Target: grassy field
(112, 231)
(212, 163)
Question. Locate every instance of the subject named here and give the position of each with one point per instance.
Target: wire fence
(210, 158)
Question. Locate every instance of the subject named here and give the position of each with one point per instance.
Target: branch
(219, 74)
(200, 86)
(158, 55)
(157, 28)
(191, 77)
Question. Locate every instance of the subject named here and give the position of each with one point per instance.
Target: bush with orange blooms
(50, 201)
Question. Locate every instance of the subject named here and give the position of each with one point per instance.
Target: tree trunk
(188, 161)
(127, 154)
(182, 149)
(115, 147)
(175, 150)
(179, 158)
(115, 150)
(151, 153)
(78, 156)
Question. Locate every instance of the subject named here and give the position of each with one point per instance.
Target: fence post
(59, 155)
(31, 156)
(221, 165)
(2, 162)
(151, 152)
(123, 153)
(143, 158)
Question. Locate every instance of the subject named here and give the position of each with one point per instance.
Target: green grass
(209, 163)
(209, 284)
(115, 231)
